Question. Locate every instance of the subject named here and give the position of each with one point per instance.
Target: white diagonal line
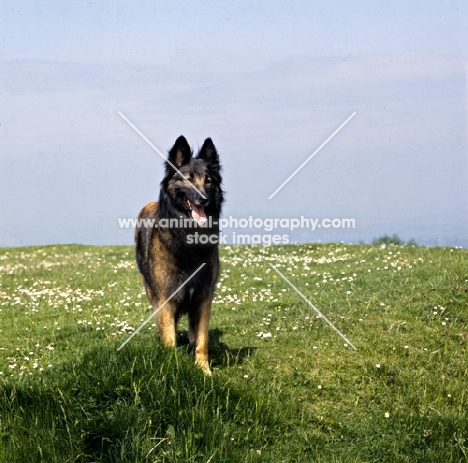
(313, 306)
(313, 154)
(162, 305)
(162, 155)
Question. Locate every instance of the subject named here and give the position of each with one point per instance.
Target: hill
(286, 387)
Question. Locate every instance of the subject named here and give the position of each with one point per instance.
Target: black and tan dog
(168, 252)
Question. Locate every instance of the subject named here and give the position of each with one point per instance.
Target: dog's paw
(205, 367)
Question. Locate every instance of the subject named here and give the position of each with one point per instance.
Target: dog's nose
(204, 201)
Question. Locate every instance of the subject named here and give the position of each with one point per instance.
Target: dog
(184, 236)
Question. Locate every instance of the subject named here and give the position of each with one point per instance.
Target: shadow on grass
(136, 405)
(221, 355)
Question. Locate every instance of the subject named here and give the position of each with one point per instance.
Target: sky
(269, 82)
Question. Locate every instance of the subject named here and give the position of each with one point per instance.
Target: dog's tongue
(198, 214)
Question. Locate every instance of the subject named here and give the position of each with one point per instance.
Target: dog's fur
(165, 257)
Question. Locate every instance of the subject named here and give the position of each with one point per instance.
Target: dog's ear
(179, 154)
(209, 154)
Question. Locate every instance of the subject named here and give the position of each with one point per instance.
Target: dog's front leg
(167, 324)
(198, 335)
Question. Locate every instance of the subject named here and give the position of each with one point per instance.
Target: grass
(285, 387)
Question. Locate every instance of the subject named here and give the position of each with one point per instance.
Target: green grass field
(285, 387)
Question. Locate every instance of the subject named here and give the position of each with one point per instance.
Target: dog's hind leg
(192, 336)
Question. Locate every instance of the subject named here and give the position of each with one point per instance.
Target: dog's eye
(207, 179)
(187, 176)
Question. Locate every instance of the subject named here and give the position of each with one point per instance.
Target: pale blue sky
(225, 35)
(268, 81)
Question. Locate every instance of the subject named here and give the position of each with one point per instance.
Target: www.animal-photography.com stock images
(233, 232)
